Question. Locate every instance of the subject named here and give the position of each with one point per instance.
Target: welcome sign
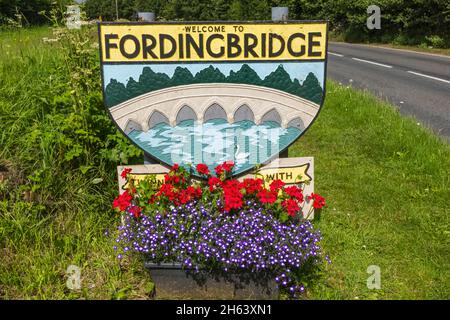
(212, 92)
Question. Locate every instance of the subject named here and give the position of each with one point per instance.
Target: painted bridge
(203, 102)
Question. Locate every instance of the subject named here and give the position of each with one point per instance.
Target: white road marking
(427, 76)
(371, 62)
(335, 54)
(388, 48)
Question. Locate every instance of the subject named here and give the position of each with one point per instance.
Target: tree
(154, 6)
(28, 11)
(106, 9)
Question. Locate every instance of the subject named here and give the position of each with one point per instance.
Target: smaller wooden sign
(292, 171)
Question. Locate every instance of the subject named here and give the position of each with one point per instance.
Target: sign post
(210, 92)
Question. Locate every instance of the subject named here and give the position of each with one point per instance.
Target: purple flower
(252, 239)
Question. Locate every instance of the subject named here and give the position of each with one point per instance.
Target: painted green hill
(117, 92)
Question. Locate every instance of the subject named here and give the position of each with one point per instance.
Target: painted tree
(210, 75)
(115, 93)
(244, 75)
(311, 88)
(181, 76)
(149, 80)
(279, 79)
(134, 88)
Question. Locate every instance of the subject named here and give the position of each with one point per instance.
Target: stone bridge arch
(203, 102)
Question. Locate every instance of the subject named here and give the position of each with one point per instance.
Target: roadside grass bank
(386, 181)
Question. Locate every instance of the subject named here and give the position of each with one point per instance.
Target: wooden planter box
(172, 282)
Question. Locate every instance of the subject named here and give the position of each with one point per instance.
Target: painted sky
(297, 70)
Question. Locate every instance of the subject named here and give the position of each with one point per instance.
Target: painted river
(216, 141)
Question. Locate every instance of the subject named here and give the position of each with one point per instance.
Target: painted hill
(117, 92)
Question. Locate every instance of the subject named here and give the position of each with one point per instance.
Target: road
(417, 83)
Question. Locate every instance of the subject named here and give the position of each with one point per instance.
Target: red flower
(123, 201)
(228, 166)
(291, 206)
(232, 195)
(276, 185)
(214, 182)
(266, 196)
(175, 167)
(176, 179)
(295, 192)
(194, 192)
(319, 201)
(232, 184)
(198, 192)
(125, 172)
(232, 201)
(167, 178)
(167, 190)
(135, 211)
(190, 190)
(219, 170)
(183, 197)
(203, 169)
(253, 185)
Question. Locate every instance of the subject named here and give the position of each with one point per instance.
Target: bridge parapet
(203, 102)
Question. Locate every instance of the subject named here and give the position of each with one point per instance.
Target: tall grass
(58, 155)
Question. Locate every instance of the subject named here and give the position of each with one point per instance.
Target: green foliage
(63, 129)
(106, 10)
(30, 12)
(411, 20)
(403, 22)
(117, 92)
(435, 41)
(57, 164)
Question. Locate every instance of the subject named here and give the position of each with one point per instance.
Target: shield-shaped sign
(192, 93)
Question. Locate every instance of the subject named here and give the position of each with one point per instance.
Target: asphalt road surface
(417, 83)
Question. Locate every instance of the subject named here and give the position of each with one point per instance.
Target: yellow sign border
(253, 38)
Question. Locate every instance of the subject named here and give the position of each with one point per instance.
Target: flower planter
(172, 282)
(231, 239)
